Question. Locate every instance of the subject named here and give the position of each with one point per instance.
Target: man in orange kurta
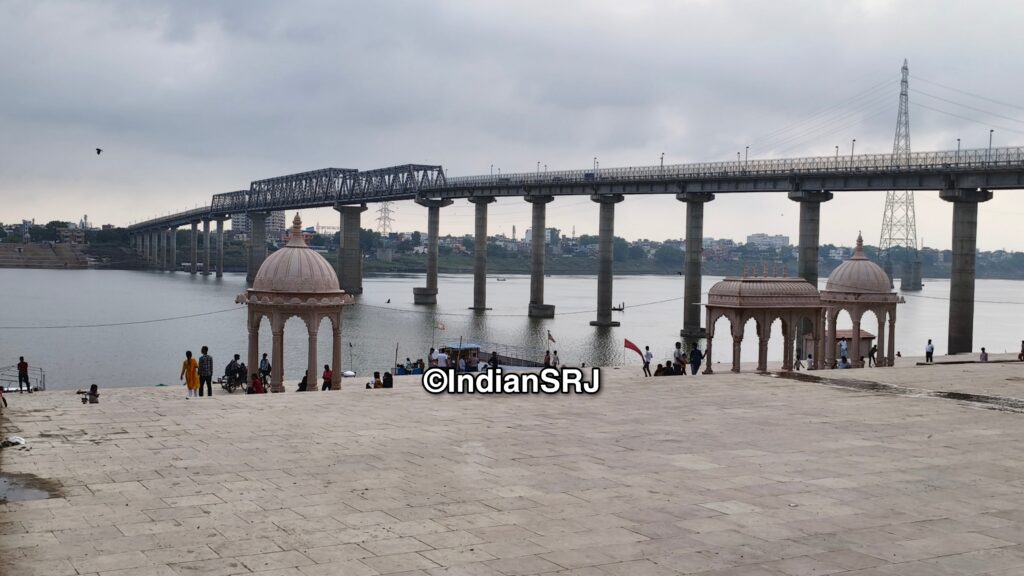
(190, 374)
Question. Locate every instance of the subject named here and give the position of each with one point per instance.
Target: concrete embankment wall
(42, 255)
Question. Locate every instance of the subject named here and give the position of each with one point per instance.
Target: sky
(189, 99)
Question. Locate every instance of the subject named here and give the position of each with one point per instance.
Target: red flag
(634, 348)
(550, 337)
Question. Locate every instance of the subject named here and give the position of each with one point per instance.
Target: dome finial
(858, 252)
(296, 238)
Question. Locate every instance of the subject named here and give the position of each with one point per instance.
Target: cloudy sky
(189, 99)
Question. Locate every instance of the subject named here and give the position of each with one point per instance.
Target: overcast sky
(189, 99)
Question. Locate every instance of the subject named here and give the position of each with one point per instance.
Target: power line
(112, 324)
(983, 111)
(975, 120)
(972, 94)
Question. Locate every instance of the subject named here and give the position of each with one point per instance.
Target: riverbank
(731, 473)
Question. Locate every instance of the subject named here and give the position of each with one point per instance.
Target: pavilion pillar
(350, 252)
(692, 331)
(961, 282)
(807, 258)
(605, 245)
(880, 357)
(480, 253)
(830, 337)
(253, 355)
(277, 360)
(736, 342)
(891, 360)
(537, 308)
(206, 247)
(707, 354)
(220, 247)
(194, 248)
(257, 243)
(312, 382)
(336, 353)
(762, 351)
(787, 339)
(855, 344)
(428, 293)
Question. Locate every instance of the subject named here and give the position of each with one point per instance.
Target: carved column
(336, 352)
(312, 381)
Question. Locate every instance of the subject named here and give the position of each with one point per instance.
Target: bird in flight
(99, 151)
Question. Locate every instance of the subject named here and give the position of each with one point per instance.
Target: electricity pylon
(899, 223)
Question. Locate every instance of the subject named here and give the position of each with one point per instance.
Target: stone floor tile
(274, 560)
(399, 563)
(521, 565)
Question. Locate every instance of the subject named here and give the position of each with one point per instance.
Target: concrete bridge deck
(721, 475)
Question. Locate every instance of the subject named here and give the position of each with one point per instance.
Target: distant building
(767, 241)
(240, 224)
(551, 236)
(71, 235)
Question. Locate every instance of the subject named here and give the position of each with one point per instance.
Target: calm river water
(151, 352)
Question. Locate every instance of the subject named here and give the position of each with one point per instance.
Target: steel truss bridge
(983, 168)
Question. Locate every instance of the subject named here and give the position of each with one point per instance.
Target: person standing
(328, 376)
(23, 374)
(871, 355)
(432, 357)
(442, 360)
(984, 355)
(844, 348)
(554, 360)
(679, 360)
(1021, 355)
(190, 374)
(547, 359)
(929, 351)
(206, 372)
(647, 361)
(696, 357)
(265, 368)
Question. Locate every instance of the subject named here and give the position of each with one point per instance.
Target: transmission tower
(898, 242)
(384, 219)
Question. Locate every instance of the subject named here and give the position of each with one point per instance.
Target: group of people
(327, 377)
(197, 374)
(677, 365)
(438, 358)
(551, 360)
(388, 381)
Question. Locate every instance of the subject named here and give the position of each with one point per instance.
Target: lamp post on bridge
(958, 151)
(988, 155)
(853, 146)
(837, 154)
(746, 154)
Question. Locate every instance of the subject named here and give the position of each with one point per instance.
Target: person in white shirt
(844, 347)
(929, 351)
(647, 361)
(679, 360)
(554, 359)
(442, 360)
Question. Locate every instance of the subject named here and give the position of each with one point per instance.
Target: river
(45, 315)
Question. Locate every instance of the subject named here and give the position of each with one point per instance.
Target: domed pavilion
(858, 285)
(764, 299)
(295, 281)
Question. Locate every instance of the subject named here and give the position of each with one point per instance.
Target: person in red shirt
(328, 376)
(257, 385)
(23, 374)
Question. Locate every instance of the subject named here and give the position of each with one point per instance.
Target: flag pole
(395, 367)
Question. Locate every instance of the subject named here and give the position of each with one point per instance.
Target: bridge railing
(952, 159)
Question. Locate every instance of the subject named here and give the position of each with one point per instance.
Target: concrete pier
(257, 243)
(350, 253)
(206, 247)
(538, 309)
(961, 282)
(807, 258)
(428, 294)
(606, 236)
(692, 331)
(171, 263)
(480, 253)
(220, 247)
(193, 243)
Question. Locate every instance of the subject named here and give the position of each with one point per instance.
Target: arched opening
(870, 334)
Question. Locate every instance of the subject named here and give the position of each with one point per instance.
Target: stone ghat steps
(41, 256)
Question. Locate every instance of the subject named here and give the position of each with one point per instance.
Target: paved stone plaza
(739, 475)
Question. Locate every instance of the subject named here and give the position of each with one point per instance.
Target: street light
(837, 152)
(662, 160)
(988, 157)
(595, 162)
(538, 167)
(746, 154)
(853, 146)
(957, 150)
(492, 169)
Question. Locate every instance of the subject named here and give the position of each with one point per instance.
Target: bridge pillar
(480, 253)
(428, 294)
(220, 247)
(961, 283)
(538, 309)
(145, 246)
(153, 248)
(172, 250)
(350, 253)
(194, 248)
(257, 243)
(807, 257)
(606, 231)
(206, 247)
(161, 249)
(692, 331)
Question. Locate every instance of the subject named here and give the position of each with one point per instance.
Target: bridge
(965, 178)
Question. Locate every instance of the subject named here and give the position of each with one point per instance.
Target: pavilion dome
(296, 268)
(858, 275)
